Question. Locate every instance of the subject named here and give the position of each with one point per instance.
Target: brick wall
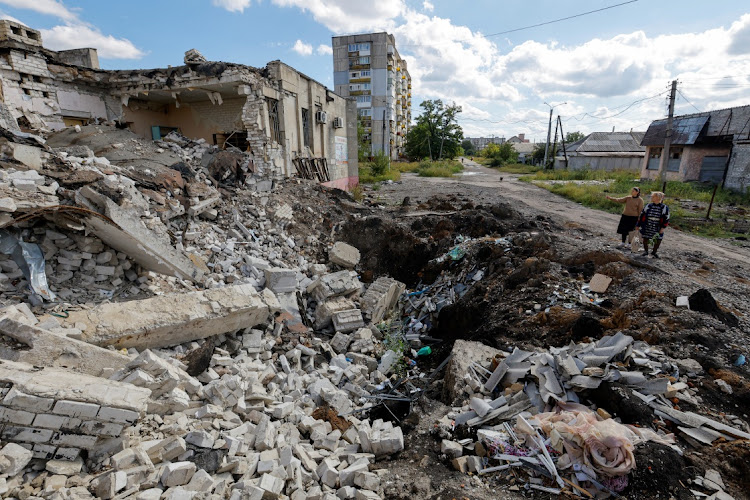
(56, 413)
(28, 63)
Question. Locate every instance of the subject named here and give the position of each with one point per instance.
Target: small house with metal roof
(604, 151)
(713, 146)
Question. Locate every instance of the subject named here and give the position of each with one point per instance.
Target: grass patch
(682, 197)
(518, 168)
(406, 166)
(442, 168)
(367, 176)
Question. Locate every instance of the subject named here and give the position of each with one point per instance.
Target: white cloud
(74, 37)
(428, 6)
(302, 48)
(346, 16)
(232, 5)
(11, 18)
(48, 7)
(324, 50)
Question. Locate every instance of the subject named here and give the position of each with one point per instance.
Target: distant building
(603, 151)
(525, 151)
(369, 67)
(518, 138)
(713, 146)
(480, 143)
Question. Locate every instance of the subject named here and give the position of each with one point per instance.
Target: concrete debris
(599, 283)
(171, 319)
(344, 255)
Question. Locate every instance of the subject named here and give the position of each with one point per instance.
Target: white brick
(17, 457)
(177, 474)
(117, 415)
(26, 434)
(19, 417)
(76, 409)
(18, 399)
(101, 428)
(74, 440)
(47, 421)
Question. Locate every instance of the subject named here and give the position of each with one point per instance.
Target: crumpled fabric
(582, 437)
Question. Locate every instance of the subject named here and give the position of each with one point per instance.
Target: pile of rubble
(209, 379)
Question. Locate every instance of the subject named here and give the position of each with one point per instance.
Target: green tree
(364, 148)
(436, 134)
(571, 137)
(537, 156)
(500, 154)
(469, 149)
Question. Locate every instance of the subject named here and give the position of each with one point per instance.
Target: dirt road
(488, 185)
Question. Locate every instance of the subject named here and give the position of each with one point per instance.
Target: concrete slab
(52, 350)
(172, 319)
(129, 235)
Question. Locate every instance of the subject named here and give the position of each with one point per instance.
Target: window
(364, 98)
(273, 118)
(355, 75)
(364, 73)
(306, 128)
(364, 60)
(365, 112)
(355, 47)
(16, 30)
(365, 86)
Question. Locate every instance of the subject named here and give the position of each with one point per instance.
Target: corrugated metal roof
(524, 147)
(685, 130)
(610, 142)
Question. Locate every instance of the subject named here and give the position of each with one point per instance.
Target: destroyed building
(289, 122)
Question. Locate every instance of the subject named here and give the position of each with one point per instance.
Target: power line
(526, 27)
(687, 101)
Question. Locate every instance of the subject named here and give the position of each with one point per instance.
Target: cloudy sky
(611, 68)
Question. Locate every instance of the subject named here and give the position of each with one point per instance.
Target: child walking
(630, 214)
(653, 221)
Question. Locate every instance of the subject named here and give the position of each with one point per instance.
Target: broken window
(33, 35)
(238, 139)
(273, 119)
(16, 30)
(306, 128)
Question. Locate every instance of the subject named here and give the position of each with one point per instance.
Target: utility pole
(667, 139)
(549, 130)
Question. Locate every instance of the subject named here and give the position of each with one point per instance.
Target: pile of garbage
(525, 411)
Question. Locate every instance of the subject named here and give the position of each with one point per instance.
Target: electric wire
(545, 23)
(688, 101)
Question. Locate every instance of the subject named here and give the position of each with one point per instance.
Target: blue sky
(611, 68)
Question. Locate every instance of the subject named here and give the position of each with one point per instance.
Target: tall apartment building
(369, 67)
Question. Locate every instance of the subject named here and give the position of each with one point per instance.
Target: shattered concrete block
(130, 235)
(336, 285)
(327, 473)
(367, 480)
(381, 297)
(107, 485)
(451, 448)
(367, 495)
(464, 353)
(272, 486)
(64, 467)
(177, 474)
(201, 439)
(48, 349)
(172, 319)
(348, 321)
(13, 459)
(280, 280)
(340, 342)
(325, 311)
(167, 449)
(344, 255)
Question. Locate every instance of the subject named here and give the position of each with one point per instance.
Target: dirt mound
(660, 473)
(703, 301)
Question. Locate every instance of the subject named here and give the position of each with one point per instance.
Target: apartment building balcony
(358, 66)
(360, 92)
(363, 79)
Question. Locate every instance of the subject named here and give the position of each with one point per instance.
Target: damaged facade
(291, 124)
(713, 146)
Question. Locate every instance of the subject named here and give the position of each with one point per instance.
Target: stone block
(177, 474)
(327, 473)
(341, 283)
(381, 297)
(76, 409)
(280, 280)
(64, 467)
(167, 449)
(108, 485)
(367, 480)
(272, 486)
(348, 321)
(14, 459)
(201, 439)
(325, 311)
(340, 342)
(451, 448)
(18, 417)
(344, 255)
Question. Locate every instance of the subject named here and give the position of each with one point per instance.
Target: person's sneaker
(645, 254)
(653, 255)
